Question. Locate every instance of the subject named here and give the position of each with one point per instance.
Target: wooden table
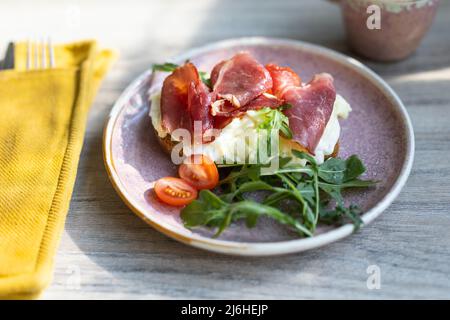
(108, 252)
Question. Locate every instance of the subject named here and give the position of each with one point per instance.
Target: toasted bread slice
(166, 143)
(335, 151)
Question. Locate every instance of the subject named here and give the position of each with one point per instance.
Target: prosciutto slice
(224, 108)
(283, 78)
(312, 105)
(263, 101)
(185, 99)
(240, 79)
(241, 84)
(215, 72)
(199, 101)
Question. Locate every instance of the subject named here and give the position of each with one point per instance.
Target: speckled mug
(402, 25)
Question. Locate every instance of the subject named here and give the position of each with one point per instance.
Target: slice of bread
(335, 151)
(166, 143)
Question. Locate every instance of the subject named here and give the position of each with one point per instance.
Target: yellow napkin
(42, 123)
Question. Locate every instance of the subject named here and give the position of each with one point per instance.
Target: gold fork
(47, 56)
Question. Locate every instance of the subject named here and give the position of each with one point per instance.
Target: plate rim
(265, 248)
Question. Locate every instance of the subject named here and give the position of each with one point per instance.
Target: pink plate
(378, 130)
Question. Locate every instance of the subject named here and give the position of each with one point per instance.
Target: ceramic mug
(386, 30)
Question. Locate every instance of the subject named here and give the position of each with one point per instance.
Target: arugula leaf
(333, 170)
(333, 216)
(307, 213)
(286, 131)
(334, 191)
(307, 191)
(354, 168)
(306, 156)
(275, 198)
(254, 186)
(220, 214)
(285, 106)
(297, 196)
(204, 76)
(356, 183)
(338, 171)
(338, 174)
(245, 208)
(250, 171)
(274, 119)
(250, 186)
(165, 67)
(206, 210)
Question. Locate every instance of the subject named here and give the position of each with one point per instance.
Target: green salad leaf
(300, 197)
(274, 119)
(210, 210)
(165, 67)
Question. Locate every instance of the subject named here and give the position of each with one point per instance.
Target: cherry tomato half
(200, 172)
(174, 191)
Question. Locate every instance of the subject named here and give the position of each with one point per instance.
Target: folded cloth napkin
(42, 123)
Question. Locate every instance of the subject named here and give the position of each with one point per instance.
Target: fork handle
(8, 62)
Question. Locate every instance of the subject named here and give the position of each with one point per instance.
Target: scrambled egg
(229, 145)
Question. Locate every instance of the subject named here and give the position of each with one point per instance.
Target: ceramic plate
(378, 130)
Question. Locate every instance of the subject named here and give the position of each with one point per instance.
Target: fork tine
(40, 54)
(36, 54)
(51, 53)
(28, 54)
(43, 54)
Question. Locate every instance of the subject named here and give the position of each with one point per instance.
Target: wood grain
(115, 255)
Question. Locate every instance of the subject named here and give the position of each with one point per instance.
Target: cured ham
(312, 105)
(241, 84)
(174, 97)
(199, 101)
(185, 99)
(282, 78)
(263, 101)
(225, 109)
(240, 79)
(215, 72)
